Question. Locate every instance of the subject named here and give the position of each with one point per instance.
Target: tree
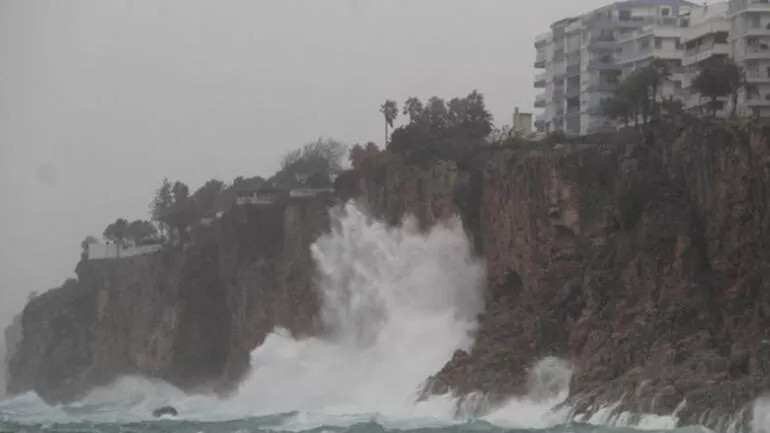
(390, 110)
(141, 232)
(359, 154)
(322, 156)
(180, 213)
(437, 115)
(465, 118)
(116, 233)
(205, 198)
(716, 79)
(475, 121)
(636, 96)
(414, 109)
(161, 204)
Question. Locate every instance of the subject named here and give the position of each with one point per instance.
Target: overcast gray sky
(100, 99)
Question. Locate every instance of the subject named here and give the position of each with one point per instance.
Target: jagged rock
(165, 410)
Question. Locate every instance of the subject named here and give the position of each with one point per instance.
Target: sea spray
(396, 304)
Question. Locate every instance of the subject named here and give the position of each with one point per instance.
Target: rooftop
(655, 3)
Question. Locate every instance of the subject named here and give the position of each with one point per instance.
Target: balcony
(540, 60)
(757, 77)
(572, 92)
(704, 52)
(603, 65)
(573, 70)
(602, 86)
(756, 100)
(542, 39)
(541, 80)
(603, 45)
(611, 24)
(757, 54)
(749, 6)
(540, 101)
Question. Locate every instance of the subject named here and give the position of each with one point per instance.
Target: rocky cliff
(643, 261)
(189, 316)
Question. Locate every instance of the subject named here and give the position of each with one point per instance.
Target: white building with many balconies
(750, 48)
(582, 59)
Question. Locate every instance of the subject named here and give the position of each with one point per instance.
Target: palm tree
(390, 110)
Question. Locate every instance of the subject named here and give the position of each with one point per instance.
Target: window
(665, 12)
(755, 21)
(624, 15)
(658, 43)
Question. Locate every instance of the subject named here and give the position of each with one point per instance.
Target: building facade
(750, 48)
(582, 59)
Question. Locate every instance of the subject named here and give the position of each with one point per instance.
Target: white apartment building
(750, 48)
(582, 59)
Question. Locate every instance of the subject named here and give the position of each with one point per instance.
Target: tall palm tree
(390, 110)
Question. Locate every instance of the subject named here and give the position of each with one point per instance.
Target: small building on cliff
(97, 251)
(259, 196)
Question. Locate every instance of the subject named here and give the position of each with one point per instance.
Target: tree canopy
(206, 197)
(636, 96)
(141, 232)
(116, 232)
(323, 157)
(359, 154)
(460, 118)
(718, 78)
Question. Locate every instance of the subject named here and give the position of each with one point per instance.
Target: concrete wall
(110, 251)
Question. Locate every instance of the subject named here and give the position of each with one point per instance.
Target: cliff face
(646, 265)
(188, 316)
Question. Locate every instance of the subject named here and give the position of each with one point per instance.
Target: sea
(397, 302)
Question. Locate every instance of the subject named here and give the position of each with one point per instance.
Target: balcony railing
(573, 70)
(601, 86)
(757, 77)
(738, 6)
(540, 101)
(541, 80)
(603, 45)
(541, 40)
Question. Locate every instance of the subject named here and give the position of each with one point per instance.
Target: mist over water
(396, 304)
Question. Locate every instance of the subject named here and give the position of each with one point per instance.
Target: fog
(100, 100)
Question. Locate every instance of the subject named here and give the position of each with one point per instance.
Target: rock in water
(165, 410)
